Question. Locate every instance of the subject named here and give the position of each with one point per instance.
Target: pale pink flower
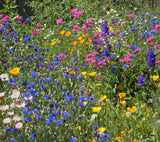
(16, 118)
(59, 21)
(10, 113)
(13, 105)
(21, 105)
(91, 20)
(74, 11)
(5, 107)
(1, 15)
(6, 120)
(2, 94)
(19, 125)
(15, 94)
(4, 77)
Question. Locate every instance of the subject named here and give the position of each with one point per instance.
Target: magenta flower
(150, 39)
(74, 11)
(35, 32)
(131, 15)
(39, 25)
(18, 18)
(59, 21)
(91, 20)
(5, 19)
(76, 28)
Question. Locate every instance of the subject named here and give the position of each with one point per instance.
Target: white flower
(2, 94)
(4, 77)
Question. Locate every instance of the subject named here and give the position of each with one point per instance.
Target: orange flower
(119, 87)
(67, 33)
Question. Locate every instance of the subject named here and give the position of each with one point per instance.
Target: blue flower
(82, 98)
(27, 111)
(91, 98)
(36, 110)
(105, 136)
(34, 135)
(119, 42)
(7, 37)
(27, 119)
(28, 20)
(95, 127)
(40, 57)
(114, 67)
(34, 74)
(48, 79)
(66, 114)
(59, 122)
(124, 66)
(141, 80)
(10, 51)
(51, 67)
(73, 139)
(51, 118)
(47, 97)
(12, 140)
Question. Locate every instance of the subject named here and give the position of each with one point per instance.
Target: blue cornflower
(51, 67)
(141, 80)
(151, 58)
(83, 84)
(12, 140)
(15, 54)
(85, 64)
(36, 110)
(105, 136)
(51, 118)
(95, 127)
(34, 74)
(73, 139)
(113, 56)
(66, 114)
(124, 66)
(119, 42)
(7, 37)
(54, 112)
(91, 98)
(27, 111)
(10, 51)
(82, 98)
(47, 97)
(114, 67)
(48, 79)
(19, 22)
(28, 20)
(34, 135)
(59, 122)
(27, 119)
(40, 57)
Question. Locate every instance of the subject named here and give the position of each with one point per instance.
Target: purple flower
(141, 81)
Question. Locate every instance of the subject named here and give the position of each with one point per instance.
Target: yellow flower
(67, 33)
(134, 140)
(92, 74)
(82, 41)
(155, 77)
(91, 86)
(103, 103)
(84, 35)
(103, 97)
(74, 42)
(133, 109)
(90, 40)
(101, 129)
(122, 95)
(107, 100)
(83, 73)
(21, 39)
(58, 41)
(52, 43)
(123, 103)
(110, 28)
(96, 109)
(98, 84)
(15, 71)
(62, 32)
(79, 128)
(80, 38)
(72, 72)
(119, 139)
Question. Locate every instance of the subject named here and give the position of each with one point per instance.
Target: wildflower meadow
(81, 71)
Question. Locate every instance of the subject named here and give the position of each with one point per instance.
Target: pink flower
(157, 62)
(131, 15)
(150, 39)
(91, 20)
(35, 33)
(1, 15)
(19, 125)
(127, 16)
(151, 43)
(6, 120)
(159, 50)
(21, 105)
(99, 78)
(59, 21)
(74, 11)
(158, 46)
(129, 46)
(18, 18)
(39, 25)
(2, 94)
(157, 28)
(76, 28)
(10, 113)
(15, 94)
(62, 56)
(5, 107)
(106, 2)
(81, 13)
(16, 118)
(135, 51)
(5, 19)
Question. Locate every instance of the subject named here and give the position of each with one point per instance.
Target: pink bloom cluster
(62, 56)
(39, 25)
(18, 18)
(150, 39)
(130, 16)
(85, 27)
(59, 21)
(35, 32)
(77, 13)
(127, 58)
(5, 19)
(76, 28)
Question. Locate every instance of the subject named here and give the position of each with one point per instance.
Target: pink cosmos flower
(16, 118)
(21, 105)
(62, 56)
(15, 94)
(10, 113)
(18, 18)
(6, 120)
(157, 28)
(151, 43)
(39, 25)
(19, 125)
(35, 32)
(1, 15)
(59, 21)
(2, 94)
(157, 62)
(5, 107)
(127, 16)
